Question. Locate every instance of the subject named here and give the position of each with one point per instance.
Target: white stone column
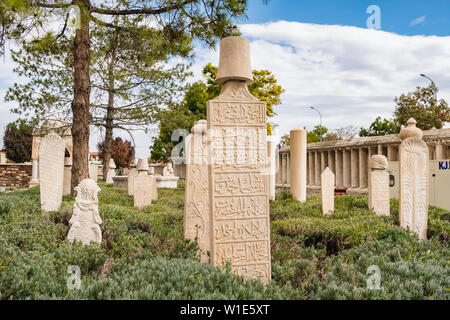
(316, 168)
(323, 161)
(311, 168)
(288, 167)
(380, 149)
(439, 151)
(355, 168)
(339, 168)
(363, 170)
(277, 157)
(34, 173)
(298, 164)
(332, 160)
(347, 162)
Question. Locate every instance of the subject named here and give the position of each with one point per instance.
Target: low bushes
(144, 255)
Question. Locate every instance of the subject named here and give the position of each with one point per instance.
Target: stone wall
(15, 175)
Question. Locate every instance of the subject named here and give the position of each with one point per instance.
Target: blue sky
(396, 15)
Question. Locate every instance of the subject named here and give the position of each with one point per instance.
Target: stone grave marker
(379, 185)
(85, 222)
(51, 171)
(414, 175)
(239, 185)
(327, 190)
(196, 202)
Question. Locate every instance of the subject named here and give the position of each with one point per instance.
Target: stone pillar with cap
(238, 151)
(378, 196)
(414, 180)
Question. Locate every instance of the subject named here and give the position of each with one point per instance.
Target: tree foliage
(422, 105)
(204, 20)
(317, 134)
(122, 151)
(380, 128)
(18, 141)
(193, 107)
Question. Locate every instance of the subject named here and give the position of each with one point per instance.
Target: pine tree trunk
(80, 103)
(107, 144)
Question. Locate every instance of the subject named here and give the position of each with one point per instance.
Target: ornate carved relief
(238, 182)
(413, 209)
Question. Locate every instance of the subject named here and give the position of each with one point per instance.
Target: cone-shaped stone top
(234, 63)
(411, 131)
(142, 165)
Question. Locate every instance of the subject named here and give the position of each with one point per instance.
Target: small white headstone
(85, 222)
(327, 180)
(51, 171)
(143, 190)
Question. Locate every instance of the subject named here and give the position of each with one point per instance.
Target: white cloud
(350, 74)
(417, 21)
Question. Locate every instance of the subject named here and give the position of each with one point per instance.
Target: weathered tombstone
(239, 186)
(196, 203)
(327, 190)
(85, 222)
(142, 185)
(298, 164)
(151, 172)
(93, 172)
(131, 174)
(379, 185)
(67, 176)
(111, 171)
(142, 191)
(51, 171)
(414, 171)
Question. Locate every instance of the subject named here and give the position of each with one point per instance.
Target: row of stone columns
(350, 166)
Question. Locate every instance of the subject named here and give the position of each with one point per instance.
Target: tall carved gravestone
(196, 204)
(85, 222)
(51, 171)
(379, 185)
(143, 184)
(414, 171)
(239, 185)
(327, 190)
